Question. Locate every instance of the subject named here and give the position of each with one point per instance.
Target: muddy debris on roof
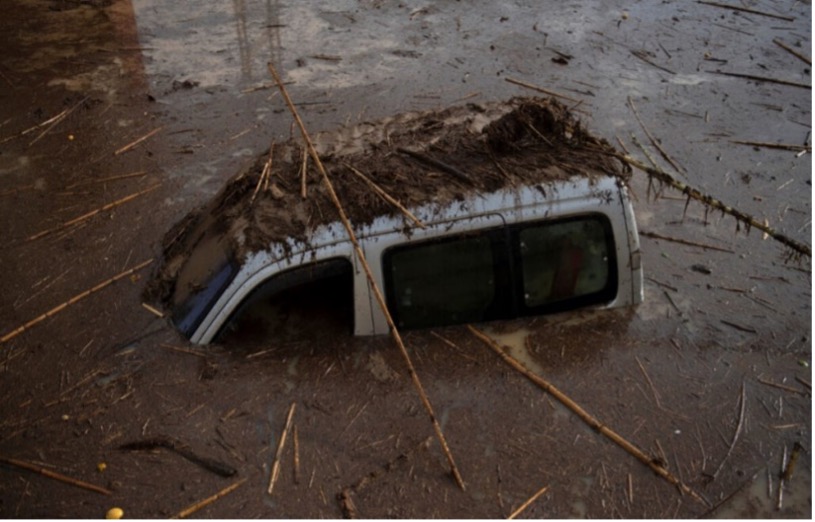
(418, 158)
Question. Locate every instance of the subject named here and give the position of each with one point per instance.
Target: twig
(653, 140)
(541, 89)
(641, 55)
(654, 235)
(781, 386)
(607, 432)
(763, 79)
(209, 500)
(693, 193)
(263, 180)
(724, 501)
(279, 452)
(153, 310)
(746, 10)
(61, 116)
(780, 501)
(92, 213)
(133, 144)
(375, 287)
(736, 434)
(384, 195)
(748, 329)
(529, 501)
(648, 379)
(781, 146)
(630, 490)
(17, 331)
(50, 121)
(54, 475)
(804, 382)
(304, 174)
(793, 52)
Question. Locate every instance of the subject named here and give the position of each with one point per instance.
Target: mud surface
(711, 374)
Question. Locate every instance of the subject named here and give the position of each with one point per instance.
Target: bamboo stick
(792, 51)
(746, 10)
(764, 79)
(693, 193)
(209, 500)
(384, 195)
(17, 331)
(54, 475)
(654, 235)
(781, 146)
(85, 217)
(529, 501)
(280, 446)
(133, 144)
(375, 288)
(541, 89)
(652, 463)
(304, 174)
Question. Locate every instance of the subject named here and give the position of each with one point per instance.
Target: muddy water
(667, 376)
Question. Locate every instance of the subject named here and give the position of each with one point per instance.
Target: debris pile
(415, 158)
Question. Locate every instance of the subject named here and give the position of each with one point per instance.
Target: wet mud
(710, 375)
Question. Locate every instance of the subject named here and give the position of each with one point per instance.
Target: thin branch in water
(736, 434)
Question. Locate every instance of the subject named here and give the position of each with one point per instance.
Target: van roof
(418, 158)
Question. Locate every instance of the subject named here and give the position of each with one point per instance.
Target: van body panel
(510, 206)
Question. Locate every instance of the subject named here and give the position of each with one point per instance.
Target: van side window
(443, 282)
(570, 262)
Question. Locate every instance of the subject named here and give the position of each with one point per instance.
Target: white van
(556, 245)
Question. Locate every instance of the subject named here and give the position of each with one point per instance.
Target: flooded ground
(710, 375)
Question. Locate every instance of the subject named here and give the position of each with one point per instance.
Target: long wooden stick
(781, 146)
(529, 501)
(541, 89)
(133, 144)
(735, 434)
(280, 446)
(693, 193)
(764, 79)
(54, 475)
(746, 10)
(374, 286)
(209, 500)
(17, 331)
(792, 51)
(652, 463)
(384, 195)
(92, 213)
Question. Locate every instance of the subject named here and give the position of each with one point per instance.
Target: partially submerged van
(520, 212)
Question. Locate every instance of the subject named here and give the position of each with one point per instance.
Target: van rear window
(563, 260)
(525, 269)
(438, 283)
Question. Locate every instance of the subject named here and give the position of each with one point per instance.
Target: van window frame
(508, 302)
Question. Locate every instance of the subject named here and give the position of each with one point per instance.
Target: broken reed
(798, 249)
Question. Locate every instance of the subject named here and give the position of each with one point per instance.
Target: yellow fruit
(114, 514)
(101, 467)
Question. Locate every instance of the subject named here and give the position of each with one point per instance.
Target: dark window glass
(441, 283)
(568, 262)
